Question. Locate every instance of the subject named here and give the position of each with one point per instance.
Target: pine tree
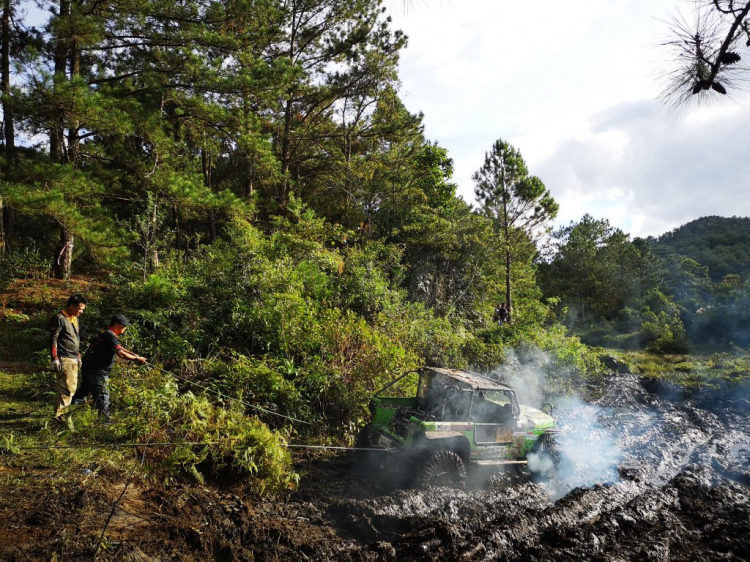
(518, 204)
(332, 49)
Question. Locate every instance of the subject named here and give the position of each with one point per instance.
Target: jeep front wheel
(443, 468)
(545, 456)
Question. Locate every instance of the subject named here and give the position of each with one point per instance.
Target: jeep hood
(531, 418)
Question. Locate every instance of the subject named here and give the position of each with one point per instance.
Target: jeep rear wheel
(367, 461)
(443, 468)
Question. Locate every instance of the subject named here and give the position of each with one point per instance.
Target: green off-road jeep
(456, 419)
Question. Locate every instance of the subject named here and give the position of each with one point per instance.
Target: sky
(574, 86)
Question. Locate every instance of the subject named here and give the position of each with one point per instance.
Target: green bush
(261, 382)
(24, 338)
(437, 341)
(364, 286)
(567, 351)
(358, 359)
(209, 437)
(665, 334)
(27, 263)
(567, 354)
(483, 355)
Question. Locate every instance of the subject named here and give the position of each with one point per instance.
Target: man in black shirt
(98, 362)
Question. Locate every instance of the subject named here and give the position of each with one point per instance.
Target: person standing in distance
(98, 362)
(504, 314)
(65, 341)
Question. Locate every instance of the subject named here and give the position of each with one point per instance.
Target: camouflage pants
(67, 382)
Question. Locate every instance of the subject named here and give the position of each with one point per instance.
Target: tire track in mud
(670, 444)
(675, 450)
(654, 461)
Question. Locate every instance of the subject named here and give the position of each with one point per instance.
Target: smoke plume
(587, 453)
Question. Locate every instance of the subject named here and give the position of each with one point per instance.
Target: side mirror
(547, 408)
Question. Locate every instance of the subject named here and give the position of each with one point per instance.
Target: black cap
(119, 319)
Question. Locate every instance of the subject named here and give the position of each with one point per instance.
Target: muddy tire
(442, 468)
(372, 464)
(363, 459)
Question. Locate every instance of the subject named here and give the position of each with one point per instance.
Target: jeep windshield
(493, 406)
(499, 397)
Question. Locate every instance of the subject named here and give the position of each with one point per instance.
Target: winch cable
(175, 443)
(261, 409)
(226, 396)
(167, 444)
(73, 408)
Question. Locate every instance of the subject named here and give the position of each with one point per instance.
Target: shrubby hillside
(722, 244)
(684, 290)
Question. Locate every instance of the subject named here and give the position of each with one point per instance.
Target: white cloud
(668, 171)
(572, 84)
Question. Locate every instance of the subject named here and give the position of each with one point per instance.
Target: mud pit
(660, 474)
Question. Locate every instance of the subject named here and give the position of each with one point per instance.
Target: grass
(26, 421)
(27, 389)
(52, 500)
(29, 436)
(703, 369)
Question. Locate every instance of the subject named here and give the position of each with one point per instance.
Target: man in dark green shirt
(65, 341)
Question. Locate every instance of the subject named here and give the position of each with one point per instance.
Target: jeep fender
(432, 441)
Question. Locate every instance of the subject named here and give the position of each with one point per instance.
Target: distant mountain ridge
(721, 243)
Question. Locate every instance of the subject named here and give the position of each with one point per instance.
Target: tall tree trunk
(282, 196)
(57, 131)
(283, 192)
(247, 169)
(212, 226)
(206, 167)
(507, 282)
(153, 253)
(64, 256)
(508, 260)
(7, 108)
(2, 226)
(206, 161)
(177, 230)
(74, 125)
(62, 56)
(247, 177)
(7, 219)
(9, 132)
(248, 186)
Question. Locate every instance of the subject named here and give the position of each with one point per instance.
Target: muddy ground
(653, 473)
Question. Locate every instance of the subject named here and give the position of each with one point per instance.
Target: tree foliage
(517, 203)
(597, 270)
(722, 244)
(707, 50)
(657, 293)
